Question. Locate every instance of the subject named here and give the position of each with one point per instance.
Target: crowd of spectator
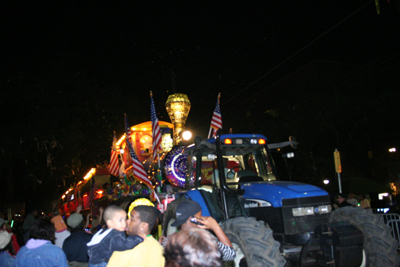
(115, 240)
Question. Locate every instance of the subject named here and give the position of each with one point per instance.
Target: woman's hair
(42, 229)
(194, 247)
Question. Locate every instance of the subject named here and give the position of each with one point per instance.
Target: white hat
(5, 238)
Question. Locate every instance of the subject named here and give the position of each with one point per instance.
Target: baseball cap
(74, 220)
(185, 210)
(2, 221)
(5, 238)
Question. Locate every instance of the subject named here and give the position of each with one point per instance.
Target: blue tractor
(272, 222)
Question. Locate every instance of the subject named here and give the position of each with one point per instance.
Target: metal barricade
(393, 221)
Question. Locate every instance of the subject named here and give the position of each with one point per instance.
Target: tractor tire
(170, 217)
(379, 246)
(254, 243)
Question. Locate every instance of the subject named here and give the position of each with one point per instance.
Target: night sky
(83, 64)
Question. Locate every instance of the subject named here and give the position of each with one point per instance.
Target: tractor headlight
(324, 209)
(303, 211)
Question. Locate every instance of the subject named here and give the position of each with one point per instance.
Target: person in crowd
(188, 215)
(341, 198)
(75, 245)
(352, 200)
(192, 248)
(364, 203)
(28, 222)
(106, 241)
(61, 228)
(7, 258)
(39, 250)
(149, 253)
(14, 241)
(97, 222)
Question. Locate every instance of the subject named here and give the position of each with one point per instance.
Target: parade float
(117, 183)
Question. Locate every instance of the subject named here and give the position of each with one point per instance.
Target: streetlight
(326, 181)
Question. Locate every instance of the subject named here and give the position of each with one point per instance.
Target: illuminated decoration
(178, 107)
(89, 175)
(186, 135)
(392, 150)
(175, 167)
(139, 202)
(166, 142)
(120, 140)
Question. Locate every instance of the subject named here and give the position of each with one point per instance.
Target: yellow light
(63, 196)
(90, 174)
(228, 141)
(144, 129)
(120, 140)
(79, 182)
(133, 129)
(261, 141)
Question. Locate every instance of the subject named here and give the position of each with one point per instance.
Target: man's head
(186, 210)
(351, 196)
(75, 222)
(341, 198)
(35, 212)
(142, 220)
(42, 229)
(192, 247)
(115, 218)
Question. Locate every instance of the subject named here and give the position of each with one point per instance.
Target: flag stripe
(138, 169)
(155, 130)
(114, 162)
(216, 120)
(92, 192)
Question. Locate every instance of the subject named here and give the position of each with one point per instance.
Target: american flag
(92, 192)
(138, 169)
(127, 128)
(114, 162)
(216, 121)
(155, 128)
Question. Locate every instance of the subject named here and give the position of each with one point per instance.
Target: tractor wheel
(380, 249)
(170, 217)
(253, 242)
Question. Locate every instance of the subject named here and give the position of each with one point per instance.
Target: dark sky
(71, 69)
(238, 48)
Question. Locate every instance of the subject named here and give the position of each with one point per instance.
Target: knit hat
(74, 220)
(185, 210)
(5, 238)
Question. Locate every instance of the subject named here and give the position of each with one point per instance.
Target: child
(61, 228)
(106, 241)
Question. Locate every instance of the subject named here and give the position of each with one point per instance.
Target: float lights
(121, 151)
(326, 181)
(90, 174)
(186, 135)
(392, 150)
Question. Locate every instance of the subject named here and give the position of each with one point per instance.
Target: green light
(12, 223)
